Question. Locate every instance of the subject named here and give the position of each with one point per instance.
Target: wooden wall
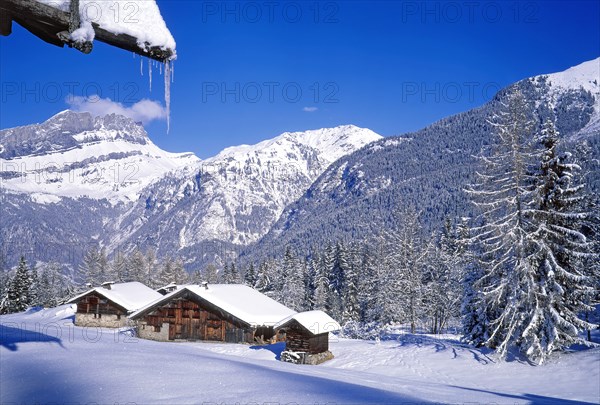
(300, 340)
(94, 303)
(190, 319)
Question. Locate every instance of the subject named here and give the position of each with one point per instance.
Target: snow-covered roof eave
(129, 296)
(235, 312)
(145, 34)
(315, 322)
(100, 291)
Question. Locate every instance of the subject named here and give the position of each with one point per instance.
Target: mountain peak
(329, 143)
(586, 75)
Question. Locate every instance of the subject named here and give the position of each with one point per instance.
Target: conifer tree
(18, 297)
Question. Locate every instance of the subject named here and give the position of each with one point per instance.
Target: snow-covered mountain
(583, 77)
(75, 155)
(358, 195)
(232, 199)
(101, 180)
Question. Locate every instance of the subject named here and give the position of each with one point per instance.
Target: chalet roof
(243, 302)
(316, 322)
(130, 296)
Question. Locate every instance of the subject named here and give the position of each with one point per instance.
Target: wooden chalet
(218, 312)
(307, 337)
(54, 21)
(109, 305)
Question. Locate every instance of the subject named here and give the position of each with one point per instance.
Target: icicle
(141, 66)
(168, 92)
(173, 72)
(150, 73)
(160, 69)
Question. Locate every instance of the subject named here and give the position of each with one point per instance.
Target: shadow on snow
(275, 348)
(11, 335)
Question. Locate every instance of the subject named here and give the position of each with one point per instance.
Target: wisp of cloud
(144, 110)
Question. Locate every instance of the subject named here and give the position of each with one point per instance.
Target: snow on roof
(316, 322)
(130, 296)
(139, 18)
(243, 302)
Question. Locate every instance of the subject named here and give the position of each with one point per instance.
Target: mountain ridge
(109, 165)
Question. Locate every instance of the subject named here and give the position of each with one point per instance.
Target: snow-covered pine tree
(310, 279)
(90, 266)
(181, 276)
(562, 255)
(4, 283)
(136, 267)
(442, 276)
(504, 193)
(292, 294)
(369, 287)
(151, 272)
(263, 282)
(406, 257)
(18, 296)
(388, 295)
(118, 268)
(230, 274)
(250, 276)
(104, 269)
(210, 274)
(54, 287)
(167, 272)
(34, 286)
(337, 279)
(321, 283)
(351, 310)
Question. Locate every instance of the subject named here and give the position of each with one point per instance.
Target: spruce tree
(351, 311)
(118, 268)
(210, 274)
(250, 276)
(561, 254)
(535, 257)
(292, 294)
(90, 267)
(504, 194)
(136, 267)
(18, 296)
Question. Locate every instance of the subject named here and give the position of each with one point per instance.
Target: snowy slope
(74, 155)
(46, 359)
(430, 169)
(584, 76)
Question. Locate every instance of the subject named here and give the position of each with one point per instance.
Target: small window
(118, 317)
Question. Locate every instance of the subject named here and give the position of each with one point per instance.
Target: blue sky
(247, 71)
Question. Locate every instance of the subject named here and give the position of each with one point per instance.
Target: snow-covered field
(45, 359)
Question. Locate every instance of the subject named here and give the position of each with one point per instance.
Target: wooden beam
(47, 22)
(5, 24)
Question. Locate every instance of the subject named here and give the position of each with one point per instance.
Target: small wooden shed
(109, 305)
(307, 337)
(231, 313)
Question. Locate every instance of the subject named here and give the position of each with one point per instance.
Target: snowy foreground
(41, 364)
